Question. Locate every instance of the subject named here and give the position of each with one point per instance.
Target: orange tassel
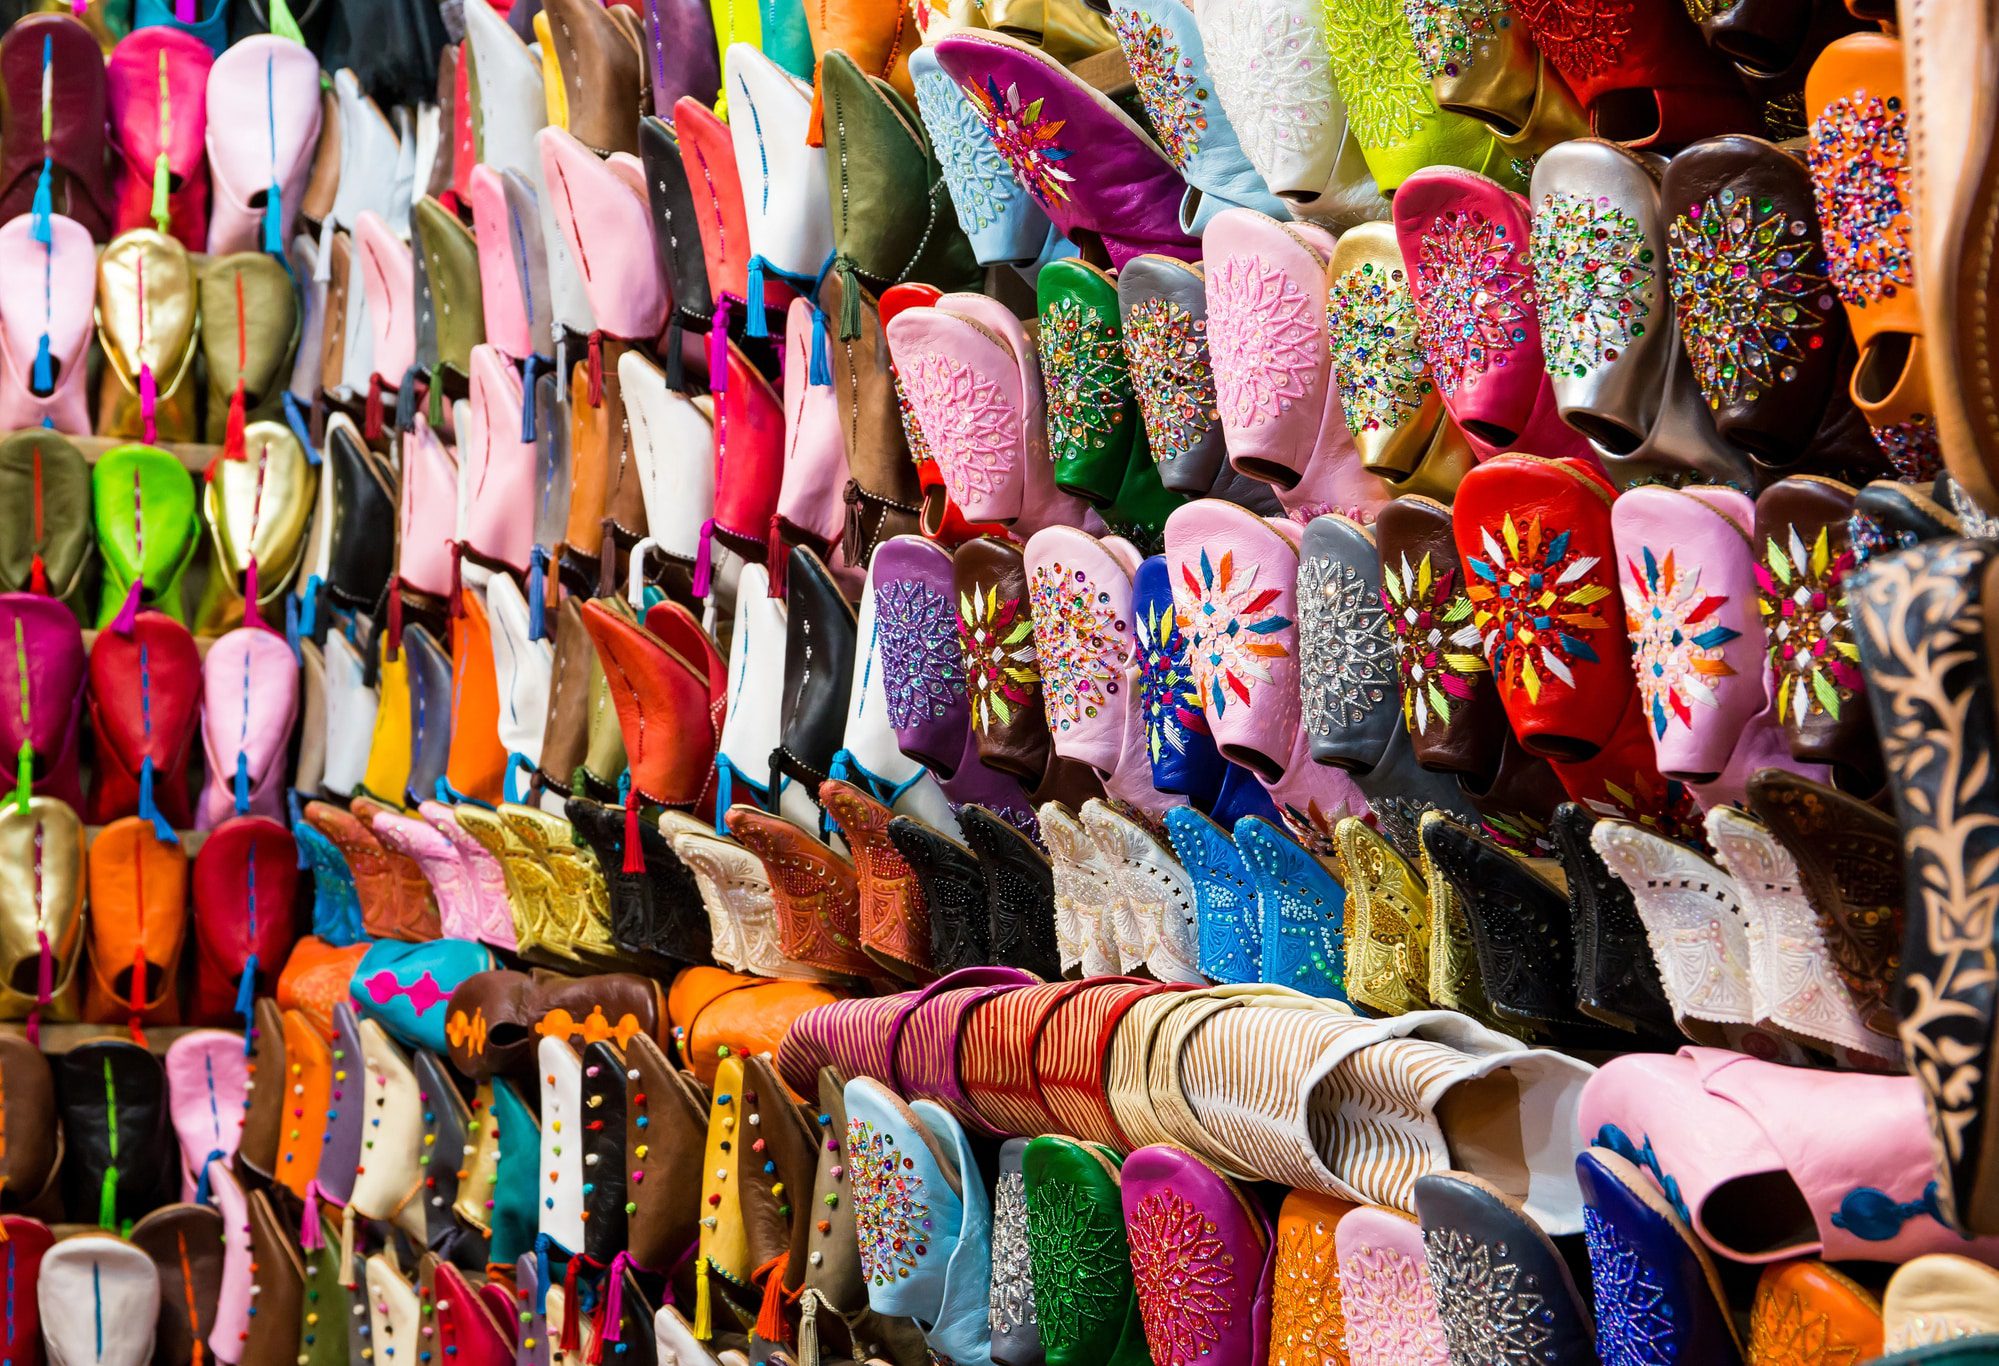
(771, 1321)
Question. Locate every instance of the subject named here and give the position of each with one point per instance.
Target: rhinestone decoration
(1230, 627)
(996, 647)
(1802, 592)
(1634, 1320)
(1346, 654)
(1378, 363)
(981, 185)
(1748, 293)
(1534, 605)
(1391, 1316)
(1166, 690)
(1913, 448)
(1307, 1327)
(1084, 378)
(1870, 539)
(1474, 302)
(1185, 1277)
(1012, 1303)
(1595, 279)
(1024, 138)
(1081, 641)
(1376, 68)
(1264, 341)
(1675, 640)
(891, 1216)
(1166, 348)
(1437, 644)
(1272, 75)
(1859, 158)
(1169, 86)
(917, 632)
(1581, 37)
(1449, 33)
(966, 422)
(1082, 1264)
(1493, 1311)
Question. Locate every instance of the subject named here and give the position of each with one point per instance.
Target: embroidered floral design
(1748, 293)
(1185, 1276)
(1082, 1264)
(980, 183)
(1581, 37)
(1346, 654)
(1912, 447)
(1676, 642)
(921, 674)
(1378, 363)
(996, 645)
(1012, 1302)
(1229, 623)
(1272, 76)
(1474, 302)
(1083, 378)
(1024, 138)
(1493, 1312)
(1534, 605)
(1785, 1331)
(1307, 1327)
(1448, 33)
(1166, 348)
(1166, 691)
(1802, 591)
(891, 1216)
(1634, 1319)
(1595, 280)
(1391, 1316)
(1437, 643)
(1859, 157)
(1081, 641)
(1169, 86)
(966, 422)
(1377, 71)
(1262, 337)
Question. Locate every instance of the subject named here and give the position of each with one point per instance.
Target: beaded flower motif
(1493, 1311)
(1028, 141)
(1272, 75)
(1802, 592)
(1081, 1263)
(1391, 1315)
(966, 423)
(1377, 70)
(1185, 1277)
(1306, 1324)
(1166, 348)
(1437, 643)
(1083, 378)
(996, 646)
(1166, 691)
(1675, 641)
(1474, 301)
(980, 183)
(1859, 158)
(1169, 85)
(1264, 341)
(1748, 293)
(1081, 640)
(1230, 627)
(891, 1219)
(1534, 605)
(1634, 1319)
(1595, 280)
(1581, 37)
(1378, 362)
(1447, 33)
(921, 675)
(1346, 654)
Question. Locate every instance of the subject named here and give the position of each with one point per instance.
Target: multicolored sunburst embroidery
(1166, 347)
(1166, 691)
(1024, 137)
(996, 645)
(890, 1213)
(1378, 362)
(1802, 592)
(1535, 605)
(1859, 158)
(967, 424)
(1084, 379)
(1676, 642)
(1595, 278)
(981, 184)
(1185, 1277)
(1169, 85)
(1474, 300)
(1081, 640)
(1231, 628)
(1750, 297)
(1437, 643)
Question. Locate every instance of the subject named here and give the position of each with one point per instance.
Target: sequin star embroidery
(1169, 87)
(1437, 643)
(1024, 137)
(1346, 655)
(1166, 348)
(1166, 691)
(1185, 1277)
(1378, 361)
(1749, 295)
(1802, 592)
(1595, 279)
(1081, 1261)
(996, 646)
(891, 1217)
(1230, 625)
(921, 674)
(1081, 641)
(1493, 1312)
(1676, 642)
(1084, 379)
(1534, 605)
(1859, 158)
(1448, 33)
(1474, 301)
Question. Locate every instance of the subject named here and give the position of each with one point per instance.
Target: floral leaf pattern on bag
(1535, 605)
(1676, 642)
(1185, 1276)
(1437, 643)
(996, 647)
(1229, 623)
(1263, 339)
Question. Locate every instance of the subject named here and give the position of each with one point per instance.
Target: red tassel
(232, 437)
(774, 556)
(38, 576)
(371, 416)
(634, 857)
(596, 369)
(395, 619)
(571, 1339)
